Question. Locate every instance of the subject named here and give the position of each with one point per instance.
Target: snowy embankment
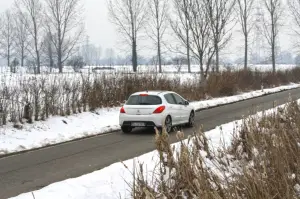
(114, 181)
(59, 129)
(242, 96)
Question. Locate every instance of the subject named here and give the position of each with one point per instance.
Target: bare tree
(66, 25)
(7, 34)
(22, 36)
(130, 17)
(245, 13)
(201, 42)
(158, 24)
(33, 9)
(271, 26)
(220, 14)
(180, 26)
(294, 6)
(48, 50)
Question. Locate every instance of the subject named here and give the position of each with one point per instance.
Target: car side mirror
(186, 103)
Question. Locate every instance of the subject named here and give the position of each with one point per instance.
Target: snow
(184, 68)
(58, 129)
(149, 68)
(112, 182)
(242, 96)
(61, 129)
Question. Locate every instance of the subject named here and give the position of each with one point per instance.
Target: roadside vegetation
(26, 98)
(261, 162)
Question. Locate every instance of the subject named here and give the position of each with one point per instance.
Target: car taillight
(122, 110)
(160, 109)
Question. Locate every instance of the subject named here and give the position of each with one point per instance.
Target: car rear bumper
(148, 120)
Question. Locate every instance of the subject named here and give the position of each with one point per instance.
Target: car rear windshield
(144, 100)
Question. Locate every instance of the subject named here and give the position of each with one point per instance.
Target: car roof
(152, 92)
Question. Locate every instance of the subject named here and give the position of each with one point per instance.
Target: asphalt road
(33, 170)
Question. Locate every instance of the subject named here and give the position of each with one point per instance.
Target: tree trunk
(51, 61)
(59, 52)
(187, 36)
(217, 57)
(273, 43)
(188, 50)
(38, 71)
(8, 60)
(159, 54)
(38, 63)
(158, 35)
(59, 62)
(246, 53)
(51, 64)
(22, 57)
(134, 56)
(273, 57)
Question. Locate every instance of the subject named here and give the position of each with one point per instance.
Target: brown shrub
(61, 94)
(262, 162)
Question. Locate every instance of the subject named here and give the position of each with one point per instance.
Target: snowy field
(170, 72)
(111, 182)
(16, 79)
(61, 129)
(184, 68)
(147, 68)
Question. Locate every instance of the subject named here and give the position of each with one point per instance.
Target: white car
(156, 109)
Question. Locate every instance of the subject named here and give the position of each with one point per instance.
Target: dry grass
(58, 94)
(262, 163)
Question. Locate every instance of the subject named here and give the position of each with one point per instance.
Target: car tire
(191, 122)
(126, 129)
(168, 124)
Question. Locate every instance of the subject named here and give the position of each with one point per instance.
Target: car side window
(170, 99)
(178, 99)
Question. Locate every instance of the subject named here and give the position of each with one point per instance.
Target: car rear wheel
(126, 129)
(191, 122)
(168, 124)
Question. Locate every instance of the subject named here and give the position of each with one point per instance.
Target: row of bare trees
(198, 25)
(48, 31)
(41, 31)
(202, 28)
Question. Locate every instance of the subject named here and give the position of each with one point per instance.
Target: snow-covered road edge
(57, 129)
(109, 183)
(243, 96)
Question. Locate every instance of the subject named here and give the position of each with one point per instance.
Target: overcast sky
(102, 32)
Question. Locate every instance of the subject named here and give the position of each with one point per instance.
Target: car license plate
(138, 124)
